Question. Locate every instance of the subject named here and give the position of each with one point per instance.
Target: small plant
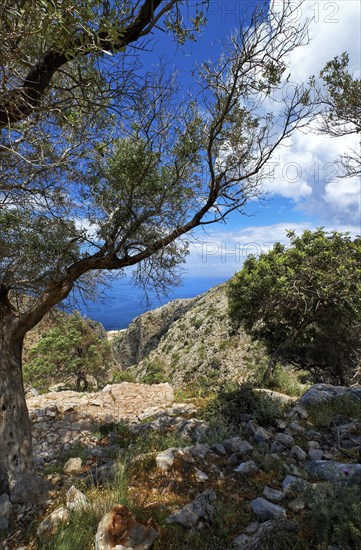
(286, 381)
(155, 373)
(123, 376)
(196, 323)
(119, 430)
(52, 468)
(283, 541)
(79, 531)
(75, 451)
(334, 513)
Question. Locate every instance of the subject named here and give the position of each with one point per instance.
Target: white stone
(73, 466)
(246, 468)
(165, 459)
(200, 476)
(76, 500)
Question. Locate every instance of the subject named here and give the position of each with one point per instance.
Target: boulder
(328, 470)
(200, 476)
(120, 528)
(261, 435)
(76, 500)
(265, 510)
(299, 453)
(321, 393)
(293, 483)
(201, 508)
(285, 440)
(273, 494)
(165, 459)
(73, 466)
(247, 468)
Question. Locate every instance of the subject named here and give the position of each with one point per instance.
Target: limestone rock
(145, 332)
(245, 447)
(73, 466)
(265, 529)
(180, 354)
(321, 393)
(165, 459)
(200, 476)
(297, 504)
(285, 440)
(299, 453)
(315, 454)
(51, 523)
(219, 449)
(247, 468)
(233, 444)
(265, 510)
(261, 435)
(120, 528)
(273, 494)
(329, 470)
(200, 508)
(292, 483)
(76, 500)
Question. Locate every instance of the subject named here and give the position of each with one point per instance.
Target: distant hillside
(188, 341)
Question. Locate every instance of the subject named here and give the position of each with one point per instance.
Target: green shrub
(323, 414)
(123, 376)
(334, 514)
(283, 541)
(155, 373)
(286, 381)
(302, 302)
(71, 352)
(230, 404)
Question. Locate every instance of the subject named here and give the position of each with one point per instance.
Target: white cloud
(304, 171)
(220, 253)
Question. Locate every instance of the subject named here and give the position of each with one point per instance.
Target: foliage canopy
(70, 353)
(304, 302)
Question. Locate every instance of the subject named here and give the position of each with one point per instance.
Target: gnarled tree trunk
(17, 471)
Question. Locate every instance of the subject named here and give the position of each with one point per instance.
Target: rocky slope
(145, 332)
(264, 482)
(189, 341)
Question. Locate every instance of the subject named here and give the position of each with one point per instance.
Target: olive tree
(105, 167)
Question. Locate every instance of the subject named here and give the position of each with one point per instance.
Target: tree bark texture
(17, 470)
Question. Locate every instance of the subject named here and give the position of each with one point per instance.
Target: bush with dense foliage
(334, 514)
(72, 352)
(304, 303)
(230, 405)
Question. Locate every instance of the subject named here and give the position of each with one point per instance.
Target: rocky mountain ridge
(188, 342)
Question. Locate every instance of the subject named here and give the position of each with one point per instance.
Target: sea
(122, 301)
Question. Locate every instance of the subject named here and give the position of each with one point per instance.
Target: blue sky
(305, 191)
